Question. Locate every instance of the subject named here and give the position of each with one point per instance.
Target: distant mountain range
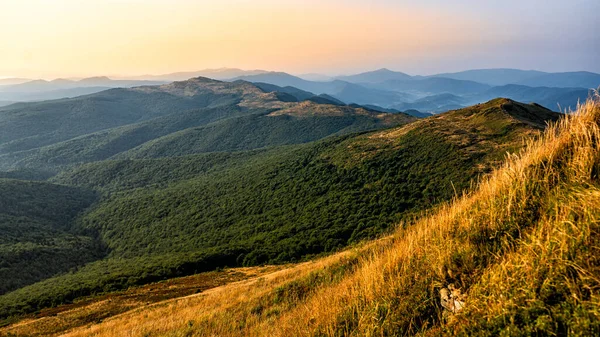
(493, 76)
(396, 90)
(26, 90)
(432, 86)
(217, 74)
(580, 79)
(342, 90)
(383, 88)
(435, 103)
(141, 183)
(193, 114)
(57, 84)
(41, 90)
(315, 77)
(376, 76)
(551, 98)
(11, 81)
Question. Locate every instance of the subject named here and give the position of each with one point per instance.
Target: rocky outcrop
(452, 299)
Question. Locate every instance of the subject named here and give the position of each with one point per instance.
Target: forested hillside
(199, 115)
(37, 239)
(171, 216)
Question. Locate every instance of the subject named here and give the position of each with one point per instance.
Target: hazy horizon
(332, 75)
(125, 38)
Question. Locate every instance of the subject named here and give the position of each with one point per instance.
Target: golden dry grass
(95, 309)
(311, 109)
(524, 247)
(222, 311)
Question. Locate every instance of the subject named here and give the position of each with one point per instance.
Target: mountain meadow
(246, 207)
(360, 168)
(517, 255)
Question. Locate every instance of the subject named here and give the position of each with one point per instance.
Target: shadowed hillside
(37, 241)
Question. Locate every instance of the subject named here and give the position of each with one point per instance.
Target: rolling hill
(106, 124)
(172, 216)
(286, 80)
(315, 77)
(354, 93)
(494, 77)
(580, 79)
(434, 85)
(61, 120)
(432, 93)
(516, 256)
(299, 94)
(342, 90)
(215, 74)
(13, 80)
(551, 98)
(41, 90)
(58, 84)
(107, 143)
(37, 241)
(302, 123)
(376, 76)
(34, 96)
(436, 103)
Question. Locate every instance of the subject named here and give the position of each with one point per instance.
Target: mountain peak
(95, 79)
(246, 94)
(509, 111)
(60, 81)
(40, 81)
(376, 76)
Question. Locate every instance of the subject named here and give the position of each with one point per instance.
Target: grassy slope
(523, 248)
(95, 309)
(175, 216)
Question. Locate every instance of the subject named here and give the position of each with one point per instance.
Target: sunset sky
(62, 38)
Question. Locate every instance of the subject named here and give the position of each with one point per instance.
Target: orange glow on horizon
(86, 38)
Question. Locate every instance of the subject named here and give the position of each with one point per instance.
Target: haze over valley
(391, 90)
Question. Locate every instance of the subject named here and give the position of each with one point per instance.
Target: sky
(77, 38)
